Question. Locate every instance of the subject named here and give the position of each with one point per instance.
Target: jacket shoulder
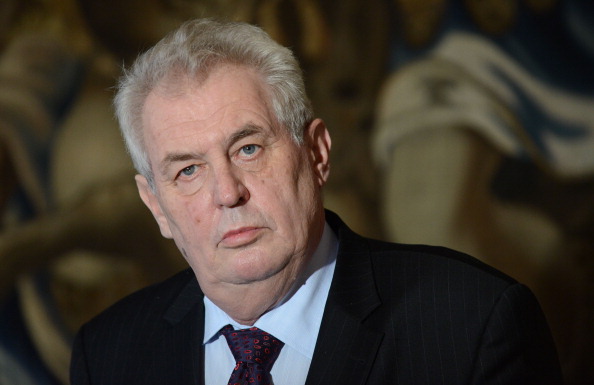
(151, 300)
(138, 315)
(435, 259)
(120, 345)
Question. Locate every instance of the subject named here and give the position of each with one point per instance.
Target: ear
(318, 140)
(151, 201)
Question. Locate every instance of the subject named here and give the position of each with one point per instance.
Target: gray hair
(195, 49)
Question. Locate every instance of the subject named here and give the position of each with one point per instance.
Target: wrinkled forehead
(234, 91)
(229, 80)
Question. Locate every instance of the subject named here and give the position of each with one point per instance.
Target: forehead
(229, 96)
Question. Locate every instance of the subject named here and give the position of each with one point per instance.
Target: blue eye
(249, 149)
(188, 171)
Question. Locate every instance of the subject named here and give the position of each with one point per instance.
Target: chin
(257, 267)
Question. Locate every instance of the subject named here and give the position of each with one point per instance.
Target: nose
(229, 189)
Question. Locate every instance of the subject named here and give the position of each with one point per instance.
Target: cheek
(297, 204)
(186, 217)
(191, 233)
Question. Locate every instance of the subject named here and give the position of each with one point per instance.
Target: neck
(246, 303)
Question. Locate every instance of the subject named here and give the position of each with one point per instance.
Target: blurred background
(464, 123)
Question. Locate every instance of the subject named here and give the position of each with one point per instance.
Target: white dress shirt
(296, 322)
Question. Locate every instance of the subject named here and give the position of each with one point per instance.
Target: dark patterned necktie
(255, 352)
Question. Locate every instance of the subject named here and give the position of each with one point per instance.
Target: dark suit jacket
(395, 314)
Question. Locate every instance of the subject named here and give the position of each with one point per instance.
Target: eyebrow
(244, 132)
(247, 130)
(176, 157)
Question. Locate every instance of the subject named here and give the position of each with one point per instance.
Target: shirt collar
(297, 316)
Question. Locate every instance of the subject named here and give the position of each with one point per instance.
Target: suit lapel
(346, 349)
(180, 350)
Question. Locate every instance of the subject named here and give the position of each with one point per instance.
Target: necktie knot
(255, 352)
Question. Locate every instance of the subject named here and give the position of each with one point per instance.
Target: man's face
(241, 200)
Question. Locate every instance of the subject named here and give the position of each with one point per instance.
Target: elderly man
(231, 164)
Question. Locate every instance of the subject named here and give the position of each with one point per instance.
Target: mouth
(240, 237)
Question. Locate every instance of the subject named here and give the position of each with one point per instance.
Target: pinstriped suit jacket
(395, 314)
